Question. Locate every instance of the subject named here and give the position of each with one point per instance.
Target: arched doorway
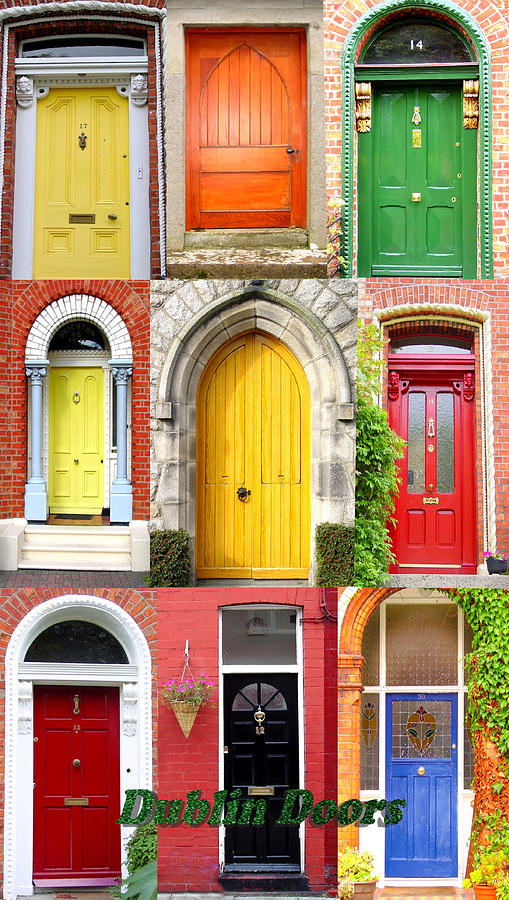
(417, 94)
(253, 462)
(78, 729)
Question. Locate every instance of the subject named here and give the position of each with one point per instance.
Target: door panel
(421, 759)
(269, 758)
(435, 506)
(246, 105)
(76, 756)
(82, 169)
(253, 425)
(416, 216)
(76, 432)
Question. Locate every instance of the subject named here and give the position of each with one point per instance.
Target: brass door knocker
(416, 118)
(76, 701)
(82, 140)
(259, 717)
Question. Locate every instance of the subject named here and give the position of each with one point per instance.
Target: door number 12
(416, 45)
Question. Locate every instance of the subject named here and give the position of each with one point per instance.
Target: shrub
(170, 559)
(142, 847)
(334, 555)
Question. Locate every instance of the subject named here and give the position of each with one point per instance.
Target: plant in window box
(186, 696)
(355, 875)
(487, 875)
(496, 562)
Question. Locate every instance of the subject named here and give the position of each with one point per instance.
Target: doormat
(80, 895)
(67, 516)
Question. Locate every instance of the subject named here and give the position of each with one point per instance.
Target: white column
(36, 498)
(121, 498)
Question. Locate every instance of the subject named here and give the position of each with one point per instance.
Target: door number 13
(416, 45)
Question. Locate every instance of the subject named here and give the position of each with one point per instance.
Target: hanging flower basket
(186, 696)
(185, 714)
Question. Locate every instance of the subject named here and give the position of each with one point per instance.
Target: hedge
(334, 555)
(170, 559)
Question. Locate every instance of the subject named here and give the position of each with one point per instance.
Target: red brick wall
(26, 300)
(340, 16)
(142, 607)
(487, 296)
(5, 403)
(80, 24)
(187, 856)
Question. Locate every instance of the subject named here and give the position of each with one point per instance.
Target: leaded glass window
(76, 642)
(416, 41)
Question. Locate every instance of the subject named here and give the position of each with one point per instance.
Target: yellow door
(76, 440)
(253, 434)
(81, 224)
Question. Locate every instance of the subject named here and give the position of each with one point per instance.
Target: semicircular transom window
(82, 46)
(78, 334)
(265, 695)
(76, 642)
(416, 41)
(431, 344)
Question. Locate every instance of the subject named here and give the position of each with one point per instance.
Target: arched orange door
(253, 462)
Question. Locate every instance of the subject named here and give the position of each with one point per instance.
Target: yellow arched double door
(253, 462)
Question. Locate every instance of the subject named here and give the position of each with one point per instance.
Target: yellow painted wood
(253, 429)
(71, 181)
(76, 431)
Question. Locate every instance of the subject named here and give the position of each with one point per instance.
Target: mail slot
(81, 218)
(76, 801)
(255, 791)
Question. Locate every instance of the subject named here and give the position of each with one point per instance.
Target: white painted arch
(134, 681)
(73, 307)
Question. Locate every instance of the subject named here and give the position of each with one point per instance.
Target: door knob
(421, 770)
(416, 198)
(243, 493)
(112, 216)
(291, 150)
(76, 461)
(76, 763)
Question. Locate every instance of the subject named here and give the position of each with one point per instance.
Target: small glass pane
(371, 650)
(435, 344)
(422, 644)
(76, 642)
(269, 697)
(92, 45)
(468, 760)
(259, 635)
(445, 443)
(468, 637)
(416, 474)
(421, 730)
(370, 727)
(415, 42)
(78, 335)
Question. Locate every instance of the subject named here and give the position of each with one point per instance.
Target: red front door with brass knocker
(76, 786)
(431, 405)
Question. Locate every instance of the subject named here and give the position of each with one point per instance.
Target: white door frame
(44, 75)
(134, 681)
(265, 669)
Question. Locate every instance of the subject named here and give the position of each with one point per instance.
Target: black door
(269, 758)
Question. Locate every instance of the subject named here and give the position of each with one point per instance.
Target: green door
(417, 183)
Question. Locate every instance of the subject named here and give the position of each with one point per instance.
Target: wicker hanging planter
(185, 714)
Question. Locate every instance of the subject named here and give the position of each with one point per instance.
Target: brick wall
(142, 607)
(188, 857)
(491, 16)
(487, 296)
(79, 24)
(25, 301)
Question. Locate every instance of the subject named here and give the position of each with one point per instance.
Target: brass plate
(76, 801)
(416, 138)
(416, 198)
(81, 218)
(260, 791)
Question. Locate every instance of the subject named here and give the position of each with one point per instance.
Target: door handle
(290, 150)
(421, 770)
(112, 216)
(76, 461)
(243, 493)
(430, 500)
(416, 198)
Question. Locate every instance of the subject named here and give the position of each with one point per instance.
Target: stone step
(96, 548)
(236, 263)
(76, 535)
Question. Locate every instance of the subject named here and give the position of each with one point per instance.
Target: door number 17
(416, 45)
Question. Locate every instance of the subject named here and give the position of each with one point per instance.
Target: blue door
(422, 768)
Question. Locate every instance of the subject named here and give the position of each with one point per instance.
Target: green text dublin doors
(417, 183)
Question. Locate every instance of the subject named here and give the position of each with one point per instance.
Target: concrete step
(69, 547)
(240, 263)
(75, 535)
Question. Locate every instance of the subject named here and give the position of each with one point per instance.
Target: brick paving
(71, 580)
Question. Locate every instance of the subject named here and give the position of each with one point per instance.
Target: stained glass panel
(370, 727)
(445, 443)
(421, 730)
(422, 644)
(416, 477)
(371, 649)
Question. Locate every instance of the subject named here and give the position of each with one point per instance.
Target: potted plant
(488, 873)
(355, 875)
(185, 697)
(496, 562)
(503, 888)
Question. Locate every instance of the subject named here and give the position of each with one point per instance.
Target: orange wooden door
(246, 129)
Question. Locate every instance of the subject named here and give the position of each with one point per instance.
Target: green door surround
(478, 38)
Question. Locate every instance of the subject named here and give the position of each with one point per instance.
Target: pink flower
(182, 689)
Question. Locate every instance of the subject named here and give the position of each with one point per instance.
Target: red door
(246, 129)
(432, 408)
(77, 786)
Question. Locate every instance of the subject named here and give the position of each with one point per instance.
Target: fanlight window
(78, 335)
(265, 695)
(431, 344)
(94, 45)
(416, 42)
(76, 642)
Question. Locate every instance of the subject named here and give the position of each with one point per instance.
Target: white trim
(86, 6)
(73, 307)
(135, 682)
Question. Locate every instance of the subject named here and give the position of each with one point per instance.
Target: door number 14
(416, 45)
